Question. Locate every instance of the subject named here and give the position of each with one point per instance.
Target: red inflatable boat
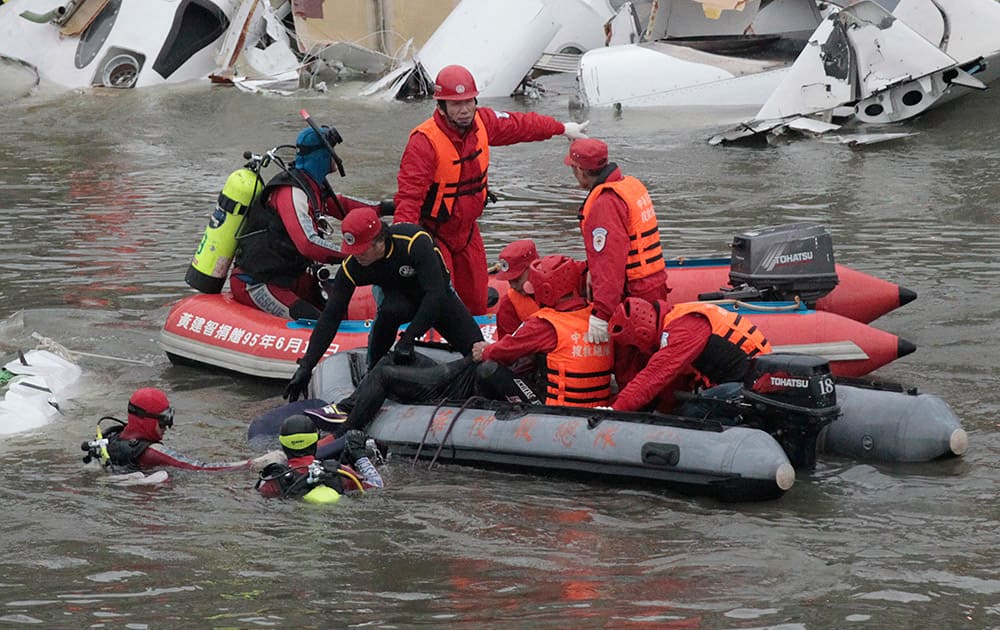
(215, 330)
(784, 277)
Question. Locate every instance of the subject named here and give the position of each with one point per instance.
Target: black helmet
(298, 436)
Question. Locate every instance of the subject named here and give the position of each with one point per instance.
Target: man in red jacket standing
(442, 177)
(620, 234)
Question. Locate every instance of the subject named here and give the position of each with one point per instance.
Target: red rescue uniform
(448, 205)
(622, 239)
(513, 309)
(574, 364)
(280, 241)
(697, 340)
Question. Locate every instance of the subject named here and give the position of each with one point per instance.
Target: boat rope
(427, 429)
(750, 306)
(451, 425)
(47, 343)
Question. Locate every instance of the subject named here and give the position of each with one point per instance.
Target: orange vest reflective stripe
(524, 305)
(578, 372)
(447, 184)
(733, 342)
(645, 254)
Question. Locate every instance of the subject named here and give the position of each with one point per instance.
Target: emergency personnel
(620, 234)
(517, 304)
(317, 478)
(137, 444)
(285, 233)
(404, 262)
(443, 182)
(425, 380)
(669, 346)
(572, 370)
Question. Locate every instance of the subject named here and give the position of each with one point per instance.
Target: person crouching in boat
(574, 371)
(316, 480)
(137, 444)
(405, 263)
(559, 280)
(620, 233)
(517, 304)
(668, 346)
(283, 234)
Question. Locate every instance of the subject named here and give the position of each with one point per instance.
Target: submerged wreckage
(77, 44)
(867, 65)
(809, 66)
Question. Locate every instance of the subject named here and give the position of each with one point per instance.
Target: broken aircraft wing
(854, 58)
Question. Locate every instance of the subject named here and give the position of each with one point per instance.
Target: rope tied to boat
(750, 306)
(427, 429)
(451, 425)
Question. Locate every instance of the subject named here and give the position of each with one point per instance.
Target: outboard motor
(792, 397)
(781, 263)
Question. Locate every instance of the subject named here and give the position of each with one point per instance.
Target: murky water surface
(103, 198)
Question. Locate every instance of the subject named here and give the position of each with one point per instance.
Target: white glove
(268, 458)
(605, 408)
(574, 131)
(597, 331)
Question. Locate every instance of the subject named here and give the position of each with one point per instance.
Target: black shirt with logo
(412, 266)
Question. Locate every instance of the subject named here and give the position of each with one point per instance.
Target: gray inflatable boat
(787, 414)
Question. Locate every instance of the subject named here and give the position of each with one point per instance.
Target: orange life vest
(645, 255)
(578, 372)
(524, 305)
(447, 184)
(733, 342)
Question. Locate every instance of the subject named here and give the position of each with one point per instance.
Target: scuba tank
(214, 256)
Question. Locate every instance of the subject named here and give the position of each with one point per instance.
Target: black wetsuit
(429, 381)
(416, 289)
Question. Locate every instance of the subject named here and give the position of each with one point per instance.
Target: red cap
(359, 227)
(587, 153)
(515, 258)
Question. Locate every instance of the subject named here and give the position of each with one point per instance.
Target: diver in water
(319, 473)
(137, 444)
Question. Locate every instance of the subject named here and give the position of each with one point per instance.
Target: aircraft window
(96, 34)
(913, 97)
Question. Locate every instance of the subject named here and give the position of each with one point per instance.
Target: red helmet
(455, 83)
(553, 278)
(636, 323)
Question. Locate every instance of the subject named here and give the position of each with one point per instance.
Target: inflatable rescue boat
(790, 411)
(784, 277)
(215, 330)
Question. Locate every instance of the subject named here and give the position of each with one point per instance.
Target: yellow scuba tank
(321, 494)
(214, 256)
